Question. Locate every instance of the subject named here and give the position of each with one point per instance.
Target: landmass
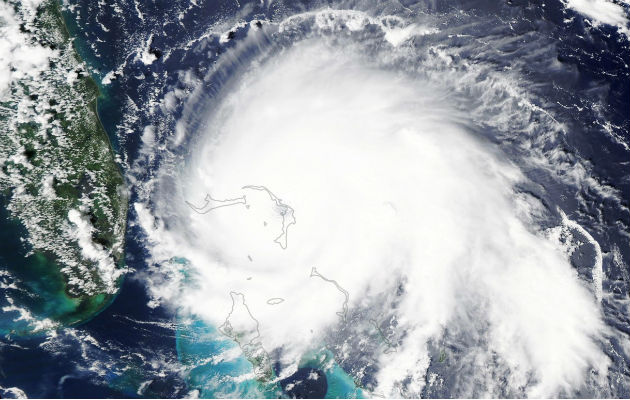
(241, 326)
(58, 176)
(275, 300)
(286, 212)
(344, 308)
(212, 204)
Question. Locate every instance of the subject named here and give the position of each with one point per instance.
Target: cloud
(82, 230)
(20, 57)
(392, 197)
(602, 12)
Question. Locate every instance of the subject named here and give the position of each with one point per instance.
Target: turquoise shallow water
(216, 367)
(340, 384)
(205, 353)
(32, 281)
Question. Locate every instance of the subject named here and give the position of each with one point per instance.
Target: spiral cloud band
(328, 198)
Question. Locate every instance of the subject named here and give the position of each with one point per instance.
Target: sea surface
(136, 52)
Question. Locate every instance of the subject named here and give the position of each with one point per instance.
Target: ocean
(161, 68)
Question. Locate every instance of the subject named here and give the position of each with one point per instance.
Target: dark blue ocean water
(115, 353)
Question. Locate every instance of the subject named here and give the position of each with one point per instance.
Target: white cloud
(602, 12)
(13, 393)
(144, 54)
(81, 231)
(19, 57)
(388, 190)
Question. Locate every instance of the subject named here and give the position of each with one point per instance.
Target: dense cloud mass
(19, 57)
(331, 195)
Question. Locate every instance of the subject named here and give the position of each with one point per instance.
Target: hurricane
(358, 167)
(358, 199)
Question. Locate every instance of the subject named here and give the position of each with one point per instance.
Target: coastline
(62, 188)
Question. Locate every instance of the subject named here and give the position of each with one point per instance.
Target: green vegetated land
(64, 204)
